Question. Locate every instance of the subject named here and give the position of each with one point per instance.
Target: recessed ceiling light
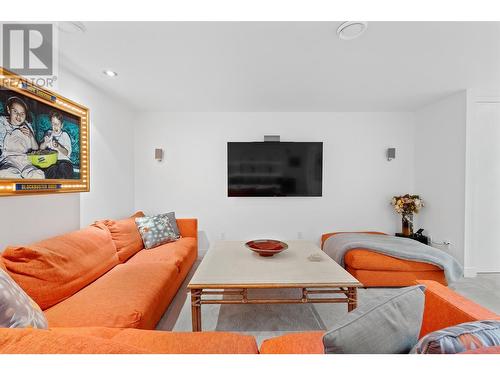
(109, 73)
(352, 29)
(72, 27)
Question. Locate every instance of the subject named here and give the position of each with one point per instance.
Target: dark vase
(407, 224)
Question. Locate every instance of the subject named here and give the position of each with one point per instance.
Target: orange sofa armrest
(294, 343)
(326, 236)
(188, 227)
(446, 308)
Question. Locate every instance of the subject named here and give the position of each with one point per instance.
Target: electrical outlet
(299, 235)
(223, 236)
(438, 243)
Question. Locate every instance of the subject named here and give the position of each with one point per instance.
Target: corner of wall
(440, 168)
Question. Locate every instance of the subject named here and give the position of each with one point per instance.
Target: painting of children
(57, 139)
(30, 131)
(16, 140)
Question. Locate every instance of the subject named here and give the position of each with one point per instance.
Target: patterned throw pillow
(460, 338)
(173, 222)
(17, 309)
(155, 230)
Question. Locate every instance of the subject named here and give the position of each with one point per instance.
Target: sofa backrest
(52, 270)
(126, 236)
(445, 308)
(188, 228)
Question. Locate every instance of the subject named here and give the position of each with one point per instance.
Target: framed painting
(44, 140)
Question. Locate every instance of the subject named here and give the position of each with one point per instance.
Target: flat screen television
(274, 169)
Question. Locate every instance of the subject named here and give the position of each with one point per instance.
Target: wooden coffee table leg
(196, 309)
(353, 299)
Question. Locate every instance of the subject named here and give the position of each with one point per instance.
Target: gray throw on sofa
(398, 247)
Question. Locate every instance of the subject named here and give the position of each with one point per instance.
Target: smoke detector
(351, 29)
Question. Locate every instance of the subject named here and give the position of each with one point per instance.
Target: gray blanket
(398, 247)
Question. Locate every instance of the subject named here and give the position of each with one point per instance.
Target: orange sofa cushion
(393, 278)
(295, 343)
(188, 342)
(173, 342)
(38, 341)
(182, 253)
(364, 259)
(445, 308)
(83, 340)
(128, 296)
(52, 270)
(126, 236)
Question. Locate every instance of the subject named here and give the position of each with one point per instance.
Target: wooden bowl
(266, 248)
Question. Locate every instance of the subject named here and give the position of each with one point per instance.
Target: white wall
(111, 152)
(31, 218)
(358, 181)
(440, 170)
(482, 182)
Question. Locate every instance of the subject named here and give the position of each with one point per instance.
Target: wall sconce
(391, 154)
(158, 154)
(271, 138)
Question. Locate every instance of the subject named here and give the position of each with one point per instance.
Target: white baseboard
(470, 272)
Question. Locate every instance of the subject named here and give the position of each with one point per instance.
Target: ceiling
(283, 66)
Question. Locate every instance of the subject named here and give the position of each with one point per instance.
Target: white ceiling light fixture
(109, 73)
(351, 29)
(72, 27)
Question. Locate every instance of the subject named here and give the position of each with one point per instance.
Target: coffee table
(229, 269)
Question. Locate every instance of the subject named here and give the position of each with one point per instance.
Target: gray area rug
(265, 321)
(269, 317)
(243, 318)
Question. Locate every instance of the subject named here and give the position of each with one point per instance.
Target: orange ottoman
(373, 269)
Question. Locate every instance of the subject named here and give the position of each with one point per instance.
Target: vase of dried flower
(407, 224)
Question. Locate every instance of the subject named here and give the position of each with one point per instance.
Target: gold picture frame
(41, 106)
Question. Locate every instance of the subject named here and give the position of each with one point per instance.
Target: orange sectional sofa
(443, 308)
(102, 276)
(378, 270)
(103, 293)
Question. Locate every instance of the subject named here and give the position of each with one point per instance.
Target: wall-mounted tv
(274, 169)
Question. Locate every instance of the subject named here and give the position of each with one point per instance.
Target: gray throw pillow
(17, 309)
(173, 222)
(155, 230)
(390, 325)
